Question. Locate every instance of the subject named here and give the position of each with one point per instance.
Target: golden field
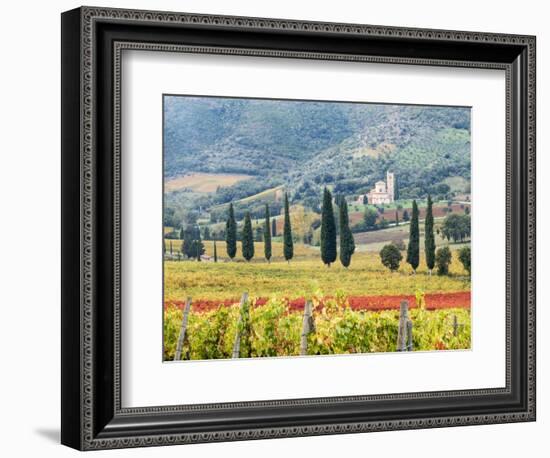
(303, 276)
(203, 182)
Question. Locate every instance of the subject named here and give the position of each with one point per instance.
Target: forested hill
(296, 142)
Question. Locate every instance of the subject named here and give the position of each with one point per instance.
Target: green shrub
(464, 255)
(443, 258)
(391, 256)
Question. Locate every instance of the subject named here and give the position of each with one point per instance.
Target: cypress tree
(274, 227)
(199, 247)
(231, 233)
(347, 244)
(248, 238)
(215, 252)
(188, 246)
(182, 232)
(396, 218)
(288, 245)
(429, 241)
(413, 250)
(267, 235)
(170, 247)
(328, 230)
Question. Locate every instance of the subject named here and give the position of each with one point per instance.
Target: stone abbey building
(382, 193)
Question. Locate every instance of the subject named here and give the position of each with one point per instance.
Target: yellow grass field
(272, 194)
(203, 182)
(262, 195)
(303, 276)
(300, 250)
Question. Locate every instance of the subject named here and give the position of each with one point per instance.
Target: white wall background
(30, 215)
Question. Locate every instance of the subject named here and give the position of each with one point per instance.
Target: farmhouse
(382, 193)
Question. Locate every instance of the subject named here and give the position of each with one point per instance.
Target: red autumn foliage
(434, 301)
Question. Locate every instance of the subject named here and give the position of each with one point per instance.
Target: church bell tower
(390, 180)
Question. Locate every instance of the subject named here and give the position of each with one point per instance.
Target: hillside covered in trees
(303, 146)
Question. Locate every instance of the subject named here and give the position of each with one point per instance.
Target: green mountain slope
(307, 145)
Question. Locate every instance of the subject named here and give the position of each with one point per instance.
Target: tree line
(441, 258)
(329, 234)
(455, 227)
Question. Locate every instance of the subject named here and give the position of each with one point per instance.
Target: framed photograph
(276, 228)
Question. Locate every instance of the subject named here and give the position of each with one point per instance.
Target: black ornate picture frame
(92, 42)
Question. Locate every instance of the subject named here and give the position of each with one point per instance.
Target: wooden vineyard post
(404, 332)
(409, 335)
(183, 328)
(237, 343)
(455, 326)
(307, 327)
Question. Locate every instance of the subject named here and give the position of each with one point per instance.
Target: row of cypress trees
(193, 247)
(413, 250)
(328, 233)
(248, 236)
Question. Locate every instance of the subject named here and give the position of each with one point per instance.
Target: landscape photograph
(306, 228)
